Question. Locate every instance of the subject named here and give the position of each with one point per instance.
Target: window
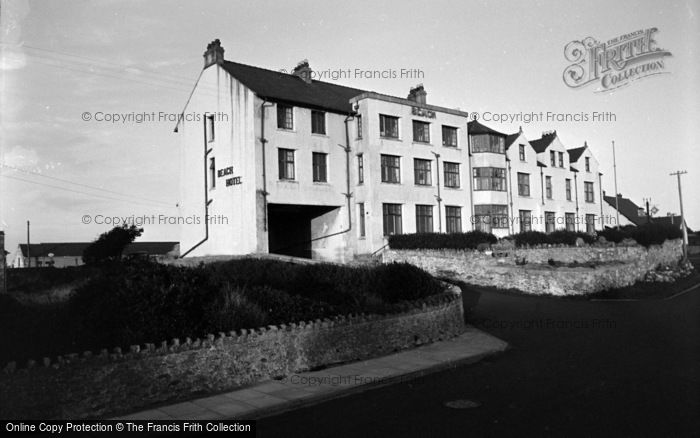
(360, 169)
(525, 219)
(487, 217)
(421, 131)
(388, 126)
(590, 223)
(392, 219)
(549, 221)
(570, 220)
(210, 128)
(391, 169)
(552, 158)
(422, 174)
(361, 218)
(285, 116)
(568, 189)
(588, 190)
(488, 143)
(359, 125)
(490, 178)
(521, 151)
(424, 218)
(320, 167)
(453, 216)
(561, 159)
(286, 163)
(588, 164)
(523, 184)
(318, 122)
(548, 186)
(451, 175)
(212, 172)
(449, 136)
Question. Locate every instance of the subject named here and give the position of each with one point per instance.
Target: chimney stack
(417, 94)
(214, 54)
(303, 71)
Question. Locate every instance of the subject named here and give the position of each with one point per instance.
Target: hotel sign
(232, 181)
(422, 112)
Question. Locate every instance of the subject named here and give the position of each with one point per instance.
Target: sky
(61, 60)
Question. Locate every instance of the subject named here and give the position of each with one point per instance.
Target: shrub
(529, 238)
(468, 240)
(558, 237)
(109, 246)
(645, 234)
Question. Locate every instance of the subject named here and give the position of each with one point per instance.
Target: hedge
(468, 240)
(558, 237)
(645, 234)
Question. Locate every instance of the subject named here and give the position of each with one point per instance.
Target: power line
(85, 185)
(77, 191)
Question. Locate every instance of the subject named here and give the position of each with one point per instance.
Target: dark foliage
(559, 237)
(110, 245)
(645, 234)
(468, 240)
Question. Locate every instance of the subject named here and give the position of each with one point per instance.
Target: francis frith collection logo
(615, 63)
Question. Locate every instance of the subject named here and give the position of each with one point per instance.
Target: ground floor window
(549, 221)
(490, 216)
(590, 223)
(392, 219)
(525, 220)
(361, 218)
(424, 218)
(570, 222)
(453, 217)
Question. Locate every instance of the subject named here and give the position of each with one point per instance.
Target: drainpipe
(263, 141)
(206, 190)
(439, 199)
(510, 195)
(470, 177)
(600, 198)
(578, 228)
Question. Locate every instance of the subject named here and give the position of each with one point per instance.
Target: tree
(110, 245)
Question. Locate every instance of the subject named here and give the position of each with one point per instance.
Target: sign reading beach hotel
(615, 63)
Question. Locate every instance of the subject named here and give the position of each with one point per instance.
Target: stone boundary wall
(116, 382)
(618, 266)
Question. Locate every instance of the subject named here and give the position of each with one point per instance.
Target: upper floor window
(285, 116)
(451, 175)
(488, 143)
(521, 151)
(320, 167)
(449, 136)
(553, 158)
(421, 131)
(568, 189)
(358, 119)
(360, 169)
(318, 122)
(548, 186)
(212, 172)
(561, 159)
(588, 190)
(210, 127)
(588, 164)
(523, 184)
(391, 169)
(490, 178)
(388, 126)
(422, 173)
(286, 163)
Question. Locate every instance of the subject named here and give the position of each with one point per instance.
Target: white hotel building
(314, 169)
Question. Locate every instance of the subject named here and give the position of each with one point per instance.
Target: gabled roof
(575, 153)
(75, 249)
(273, 85)
(511, 138)
(474, 127)
(541, 144)
(627, 208)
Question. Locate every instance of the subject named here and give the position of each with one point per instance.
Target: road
(575, 368)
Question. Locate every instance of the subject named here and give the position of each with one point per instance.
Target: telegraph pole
(647, 200)
(617, 207)
(680, 197)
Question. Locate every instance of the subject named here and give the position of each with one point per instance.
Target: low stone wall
(114, 382)
(614, 267)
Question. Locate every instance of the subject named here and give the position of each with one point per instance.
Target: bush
(126, 303)
(558, 237)
(645, 234)
(468, 240)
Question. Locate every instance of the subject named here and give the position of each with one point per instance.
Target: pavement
(310, 388)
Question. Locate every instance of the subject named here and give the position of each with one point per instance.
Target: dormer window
(521, 151)
(588, 164)
(552, 158)
(561, 159)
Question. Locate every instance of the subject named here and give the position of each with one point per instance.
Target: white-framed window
(286, 163)
(388, 126)
(285, 116)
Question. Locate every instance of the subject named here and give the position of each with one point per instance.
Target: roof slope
(541, 144)
(511, 138)
(474, 127)
(575, 154)
(627, 208)
(289, 88)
